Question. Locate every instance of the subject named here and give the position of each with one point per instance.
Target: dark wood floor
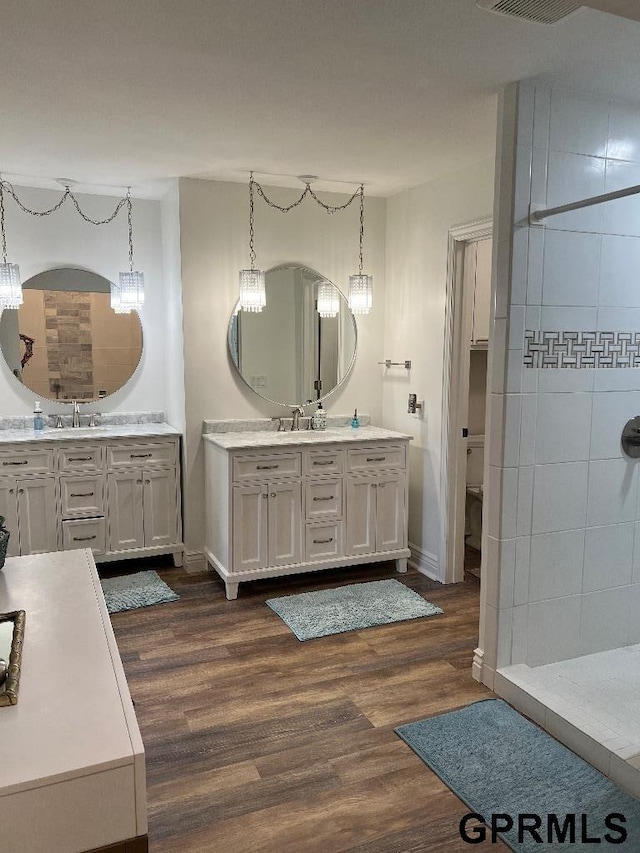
(258, 742)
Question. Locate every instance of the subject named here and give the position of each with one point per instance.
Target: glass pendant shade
(328, 300)
(253, 295)
(128, 295)
(10, 286)
(360, 293)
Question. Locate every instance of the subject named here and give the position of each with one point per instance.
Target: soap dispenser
(355, 423)
(319, 419)
(38, 422)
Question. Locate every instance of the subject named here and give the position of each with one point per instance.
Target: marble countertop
(340, 435)
(148, 430)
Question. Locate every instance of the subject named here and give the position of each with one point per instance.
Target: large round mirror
(65, 342)
(302, 345)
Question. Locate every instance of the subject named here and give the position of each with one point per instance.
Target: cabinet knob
(273, 494)
(20, 491)
(147, 482)
(138, 481)
(265, 496)
(11, 491)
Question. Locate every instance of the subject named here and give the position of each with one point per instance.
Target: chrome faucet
(75, 422)
(297, 413)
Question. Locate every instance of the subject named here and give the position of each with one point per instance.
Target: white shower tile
(624, 775)
(496, 404)
(559, 496)
(515, 371)
(521, 574)
(634, 613)
(496, 364)
(573, 177)
(528, 427)
(503, 656)
(622, 216)
(511, 439)
(519, 633)
(615, 379)
(522, 185)
(553, 628)
(618, 320)
(636, 556)
(563, 427)
(619, 266)
(490, 636)
(568, 319)
(525, 500)
(535, 266)
(571, 268)
(539, 176)
(509, 511)
(526, 102)
(559, 380)
(516, 327)
(541, 116)
(604, 620)
(578, 741)
(503, 273)
(613, 487)
(492, 505)
(611, 411)
(624, 133)
(578, 123)
(501, 556)
(555, 568)
(608, 555)
(519, 266)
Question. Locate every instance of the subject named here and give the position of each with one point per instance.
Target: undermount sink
(302, 435)
(72, 432)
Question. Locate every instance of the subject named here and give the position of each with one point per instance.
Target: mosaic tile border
(581, 349)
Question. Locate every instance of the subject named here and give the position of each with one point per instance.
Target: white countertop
(74, 714)
(150, 430)
(301, 438)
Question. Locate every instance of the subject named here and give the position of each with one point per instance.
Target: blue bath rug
(350, 608)
(129, 592)
(497, 762)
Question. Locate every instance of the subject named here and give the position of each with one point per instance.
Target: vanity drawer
(323, 498)
(376, 458)
(84, 533)
(266, 467)
(323, 462)
(26, 461)
(130, 455)
(82, 494)
(323, 541)
(83, 458)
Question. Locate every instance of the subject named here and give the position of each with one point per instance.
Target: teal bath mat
(350, 608)
(499, 763)
(129, 592)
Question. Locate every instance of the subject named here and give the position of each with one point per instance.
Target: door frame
(453, 407)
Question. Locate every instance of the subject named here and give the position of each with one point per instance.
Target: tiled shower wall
(562, 544)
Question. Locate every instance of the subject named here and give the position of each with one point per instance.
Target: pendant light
(328, 299)
(360, 285)
(128, 294)
(253, 296)
(10, 284)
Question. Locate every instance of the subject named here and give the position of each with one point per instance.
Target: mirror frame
(9, 688)
(236, 311)
(102, 285)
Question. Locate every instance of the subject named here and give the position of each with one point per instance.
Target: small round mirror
(302, 345)
(65, 342)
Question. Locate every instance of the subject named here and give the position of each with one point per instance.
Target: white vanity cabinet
(116, 494)
(324, 501)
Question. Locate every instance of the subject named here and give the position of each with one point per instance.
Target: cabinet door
(390, 513)
(285, 524)
(124, 501)
(249, 528)
(9, 510)
(160, 507)
(361, 515)
(482, 292)
(37, 515)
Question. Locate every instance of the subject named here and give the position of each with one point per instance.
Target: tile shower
(561, 620)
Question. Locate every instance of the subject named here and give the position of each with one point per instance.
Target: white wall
(171, 262)
(64, 239)
(418, 222)
(214, 247)
(563, 546)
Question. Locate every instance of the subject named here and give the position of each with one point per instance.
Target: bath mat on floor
(498, 762)
(350, 608)
(129, 592)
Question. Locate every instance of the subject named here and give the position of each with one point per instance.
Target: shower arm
(537, 212)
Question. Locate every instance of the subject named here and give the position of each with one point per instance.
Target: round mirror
(302, 345)
(65, 342)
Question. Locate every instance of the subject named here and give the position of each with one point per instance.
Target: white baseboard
(424, 562)
(480, 671)
(194, 562)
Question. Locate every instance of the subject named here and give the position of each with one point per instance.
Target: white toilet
(475, 468)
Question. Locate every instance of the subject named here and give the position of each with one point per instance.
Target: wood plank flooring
(258, 743)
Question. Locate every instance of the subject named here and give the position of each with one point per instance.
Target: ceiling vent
(540, 11)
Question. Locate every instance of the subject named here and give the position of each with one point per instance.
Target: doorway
(464, 396)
